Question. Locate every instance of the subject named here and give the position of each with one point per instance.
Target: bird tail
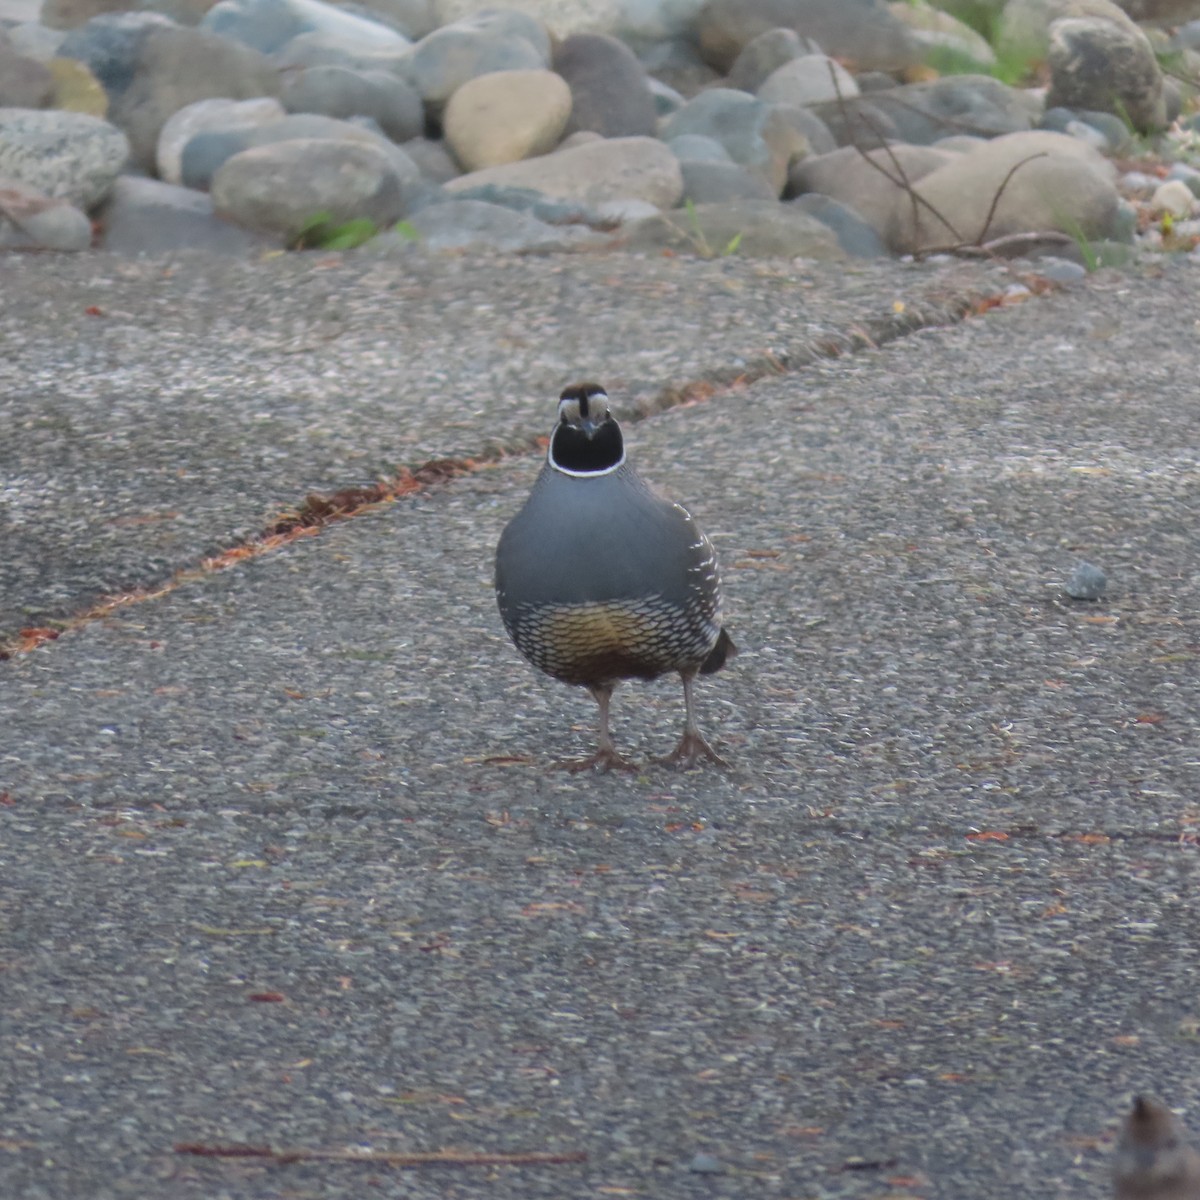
(717, 656)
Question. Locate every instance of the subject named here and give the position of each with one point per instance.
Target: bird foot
(605, 759)
(692, 747)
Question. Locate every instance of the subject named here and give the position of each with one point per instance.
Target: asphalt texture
(283, 857)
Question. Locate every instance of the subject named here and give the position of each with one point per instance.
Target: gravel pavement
(281, 858)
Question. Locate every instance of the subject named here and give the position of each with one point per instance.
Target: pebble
(1087, 582)
(705, 1164)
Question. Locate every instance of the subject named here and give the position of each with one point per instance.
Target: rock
(754, 133)
(223, 115)
(610, 92)
(806, 123)
(76, 89)
(922, 113)
(1112, 130)
(442, 62)
(854, 235)
(64, 155)
(1086, 583)
(942, 39)
(145, 216)
(70, 14)
(748, 228)
(433, 159)
(543, 208)
(329, 50)
(206, 152)
(412, 18)
(696, 147)
(666, 99)
(678, 64)
(1176, 198)
(770, 50)
(35, 40)
(341, 92)
(561, 17)
(846, 176)
(268, 25)
(810, 79)
(109, 46)
(718, 182)
(609, 169)
(511, 21)
(183, 12)
(1107, 65)
(1067, 187)
(31, 220)
(24, 82)
(862, 32)
(706, 1164)
(1023, 29)
(1188, 174)
(476, 225)
(176, 67)
(645, 21)
(506, 116)
(857, 122)
(280, 188)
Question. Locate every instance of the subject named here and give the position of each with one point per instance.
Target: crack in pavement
(318, 510)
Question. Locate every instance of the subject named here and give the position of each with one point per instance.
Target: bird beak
(588, 426)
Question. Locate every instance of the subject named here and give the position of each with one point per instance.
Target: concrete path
(281, 858)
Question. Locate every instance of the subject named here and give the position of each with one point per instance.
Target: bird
(1153, 1160)
(599, 578)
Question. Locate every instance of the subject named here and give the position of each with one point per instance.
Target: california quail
(601, 579)
(1153, 1159)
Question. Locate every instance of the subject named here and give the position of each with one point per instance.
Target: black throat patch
(572, 449)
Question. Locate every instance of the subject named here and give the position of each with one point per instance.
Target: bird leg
(692, 745)
(606, 756)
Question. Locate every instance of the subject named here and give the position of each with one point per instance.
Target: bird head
(586, 439)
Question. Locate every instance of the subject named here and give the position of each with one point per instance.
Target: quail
(1153, 1160)
(599, 578)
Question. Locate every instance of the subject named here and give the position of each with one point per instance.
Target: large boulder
(610, 93)
(1050, 182)
(64, 155)
(342, 92)
(280, 188)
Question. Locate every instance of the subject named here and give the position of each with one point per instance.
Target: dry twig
(431, 1158)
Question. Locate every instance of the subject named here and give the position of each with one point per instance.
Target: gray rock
(719, 182)
(678, 64)
(412, 18)
(1087, 582)
(1114, 131)
(279, 188)
(36, 41)
(610, 92)
(860, 31)
(65, 155)
(810, 79)
(698, 147)
(666, 99)
(706, 1164)
(854, 235)
(753, 133)
(268, 25)
(1187, 174)
(605, 169)
(433, 159)
(749, 228)
(176, 67)
(943, 40)
(1061, 185)
(766, 53)
(922, 113)
(463, 224)
(219, 114)
(858, 122)
(646, 21)
(499, 21)
(206, 152)
(863, 180)
(329, 50)
(541, 207)
(442, 62)
(341, 92)
(1061, 270)
(70, 14)
(148, 217)
(612, 213)
(1105, 65)
(109, 45)
(806, 123)
(24, 82)
(182, 12)
(30, 220)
